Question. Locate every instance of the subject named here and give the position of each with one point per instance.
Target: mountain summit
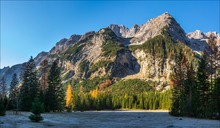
(152, 28)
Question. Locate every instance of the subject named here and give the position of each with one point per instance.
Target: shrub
(35, 118)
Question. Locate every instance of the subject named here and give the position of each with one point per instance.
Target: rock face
(108, 52)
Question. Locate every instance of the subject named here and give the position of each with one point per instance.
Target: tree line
(101, 100)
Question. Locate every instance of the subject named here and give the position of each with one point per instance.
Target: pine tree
(203, 88)
(43, 81)
(69, 98)
(29, 88)
(177, 84)
(50, 98)
(188, 90)
(13, 94)
(55, 93)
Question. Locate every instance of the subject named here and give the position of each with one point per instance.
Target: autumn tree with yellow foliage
(94, 93)
(69, 97)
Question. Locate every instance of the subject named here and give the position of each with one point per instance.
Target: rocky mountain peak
(135, 26)
(133, 30)
(61, 42)
(86, 35)
(156, 26)
(214, 34)
(74, 38)
(196, 35)
(119, 30)
(64, 43)
(199, 40)
(122, 31)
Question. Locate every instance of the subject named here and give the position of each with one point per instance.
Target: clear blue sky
(28, 28)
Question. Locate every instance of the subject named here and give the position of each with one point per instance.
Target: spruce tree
(50, 98)
(177, 84)
(43, 81)
(55, 93)
(203, 87)
(189, 91)
(13, 101)
(29, 88)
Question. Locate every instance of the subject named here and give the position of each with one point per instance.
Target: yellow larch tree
(69, 96)
(94, 93)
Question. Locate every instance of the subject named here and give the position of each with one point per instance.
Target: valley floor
(106, 119)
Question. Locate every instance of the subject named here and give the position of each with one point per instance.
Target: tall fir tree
(203, 88)
(188, 90)
(29, 88)
(13, 93)
(177, 83)
(43, 73)
(55, 92)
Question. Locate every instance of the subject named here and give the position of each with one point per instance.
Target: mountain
(117, 53)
